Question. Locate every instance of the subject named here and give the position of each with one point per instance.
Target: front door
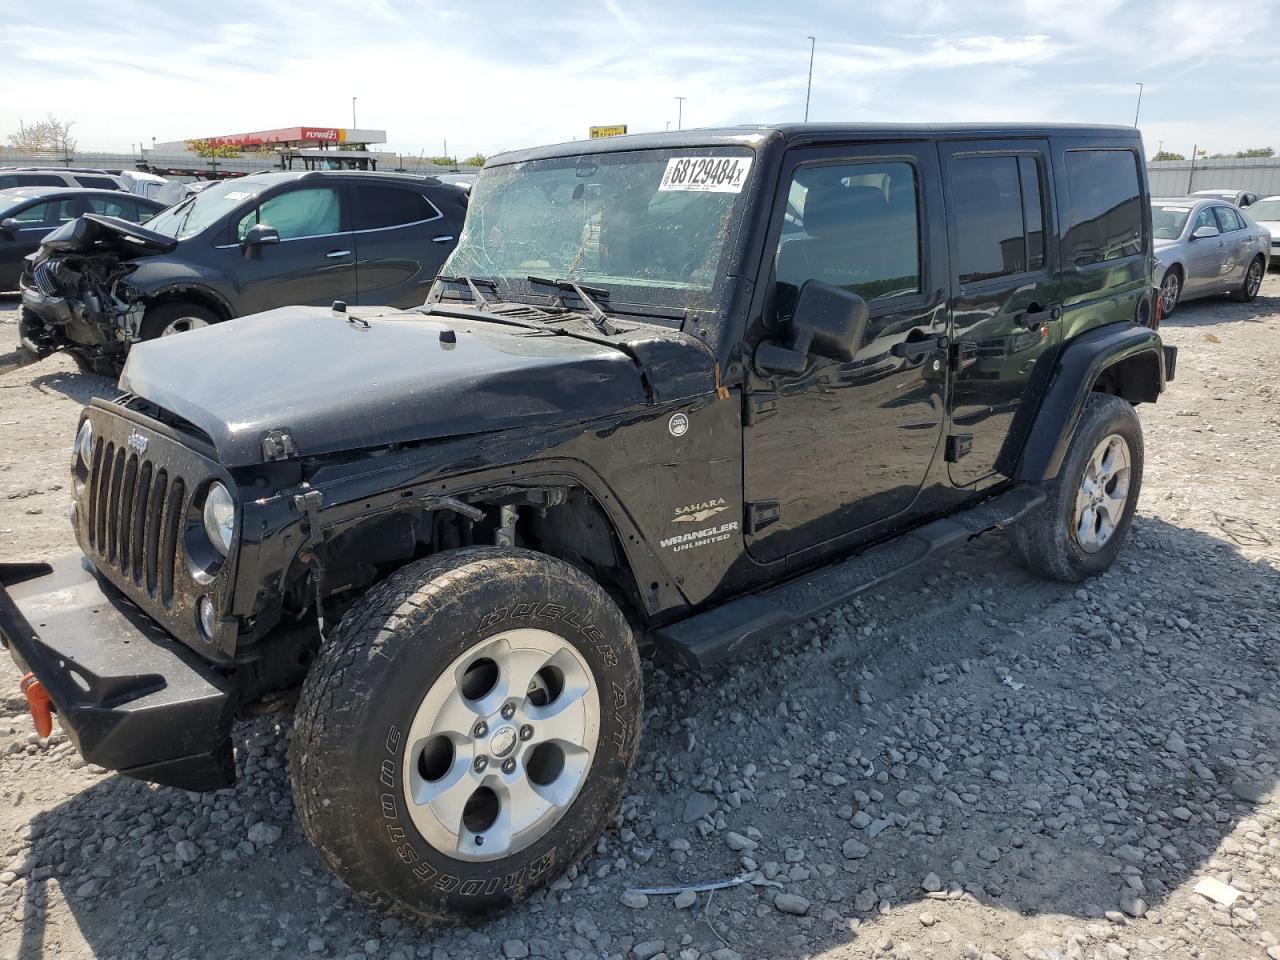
(1206, 256)
(314, 262)
(1007, 301)
(840, 446)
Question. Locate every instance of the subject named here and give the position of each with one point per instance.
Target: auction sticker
(706, 174)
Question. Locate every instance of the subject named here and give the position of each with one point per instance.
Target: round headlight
(219, 517)
(84, 443)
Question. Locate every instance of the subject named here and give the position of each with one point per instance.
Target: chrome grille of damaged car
(43, 276)
(135, 516)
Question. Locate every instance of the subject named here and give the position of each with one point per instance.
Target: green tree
(213, 151)
(1168, 155)
(475, 160)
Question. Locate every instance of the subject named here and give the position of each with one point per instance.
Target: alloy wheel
(1169, 291)
(1253, 280)
(1103, 493)
(501, 745)
(182, 325)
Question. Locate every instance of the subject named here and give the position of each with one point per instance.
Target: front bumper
(130, 698)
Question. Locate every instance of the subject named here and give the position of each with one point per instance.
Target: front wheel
(1078, 530)
(1170, 291)
(467, 733)
(168, 319)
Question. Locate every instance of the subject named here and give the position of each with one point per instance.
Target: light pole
(813, 43)
(680, 112)
(1138, 110)
(353, 113)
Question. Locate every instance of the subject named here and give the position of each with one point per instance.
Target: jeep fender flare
(1124, 359)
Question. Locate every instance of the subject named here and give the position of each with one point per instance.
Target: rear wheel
(1078, 530)
(1170, 291)
(1252, 282)
(168, 319)
(467, 732)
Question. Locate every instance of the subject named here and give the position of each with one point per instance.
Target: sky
(503, 75)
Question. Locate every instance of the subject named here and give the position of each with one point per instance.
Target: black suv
(242, 246)
(693, 387)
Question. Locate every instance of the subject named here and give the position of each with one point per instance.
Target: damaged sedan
(99, 285)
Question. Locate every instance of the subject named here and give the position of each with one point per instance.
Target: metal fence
(1177, 178)
(207, 169)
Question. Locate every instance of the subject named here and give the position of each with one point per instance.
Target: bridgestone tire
(1045, 539)
(362, 694)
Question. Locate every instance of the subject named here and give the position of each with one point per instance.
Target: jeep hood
(95, 233)
(335, 384)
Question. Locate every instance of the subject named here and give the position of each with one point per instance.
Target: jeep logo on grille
(138, 442)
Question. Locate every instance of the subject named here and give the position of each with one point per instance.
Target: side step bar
(713, 635)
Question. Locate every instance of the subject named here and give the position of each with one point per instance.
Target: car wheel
(169, 318)
(1078, 530)
(1252, 282)
(467, 732)
(1170, 291)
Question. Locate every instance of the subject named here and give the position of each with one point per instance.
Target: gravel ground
(976, 765)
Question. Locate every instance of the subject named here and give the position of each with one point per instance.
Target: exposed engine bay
(74, 295)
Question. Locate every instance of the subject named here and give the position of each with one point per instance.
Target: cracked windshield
(648, 225)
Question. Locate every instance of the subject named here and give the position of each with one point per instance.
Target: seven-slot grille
(136, 511)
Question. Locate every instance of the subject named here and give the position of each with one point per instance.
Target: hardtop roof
(800, 133)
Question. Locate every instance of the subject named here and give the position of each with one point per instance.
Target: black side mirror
(260, 235)
(828, 322)
(9, 226)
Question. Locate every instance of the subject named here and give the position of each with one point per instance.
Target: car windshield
(1265, 210)
(1168, 219)
(205, 208)
(649, 226)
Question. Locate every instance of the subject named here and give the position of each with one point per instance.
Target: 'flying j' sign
(706, 174)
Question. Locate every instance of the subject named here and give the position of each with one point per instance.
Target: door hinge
(958, 445)
(761, 405)
(761, 514)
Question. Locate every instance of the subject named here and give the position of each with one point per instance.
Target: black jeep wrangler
(690, 388)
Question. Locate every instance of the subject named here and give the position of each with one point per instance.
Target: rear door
(1237, 245)
(401, 238)
(1006, 295)
(314, 263)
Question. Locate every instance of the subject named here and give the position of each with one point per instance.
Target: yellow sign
(616, 130)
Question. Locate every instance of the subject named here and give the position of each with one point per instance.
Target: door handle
(442, 239)
(1034, 319)
(913, 350)
(334, 254)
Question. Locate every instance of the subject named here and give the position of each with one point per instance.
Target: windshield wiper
(474, 286)
(584, 294)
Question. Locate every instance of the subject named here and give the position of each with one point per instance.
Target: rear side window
(40, 180)
(311, 212)
(1228, 219)
(1104, 206)
(380, 207)
(124, 207)
(97, 183)
(999, 216)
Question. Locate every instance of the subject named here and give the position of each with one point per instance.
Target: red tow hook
(38, 701)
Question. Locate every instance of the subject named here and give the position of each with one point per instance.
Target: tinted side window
(1104, 206)
(8, 180)
(854, 226)
(987, 198)
(40, 180)
(377, 207)
(299, 213)
(1032, 210)
(97, 183)
(1228, 219)
(124, 207)
(32, 216)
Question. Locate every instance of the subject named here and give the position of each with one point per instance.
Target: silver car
(1204, 248)
(1241, 198)
(1266, 214)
